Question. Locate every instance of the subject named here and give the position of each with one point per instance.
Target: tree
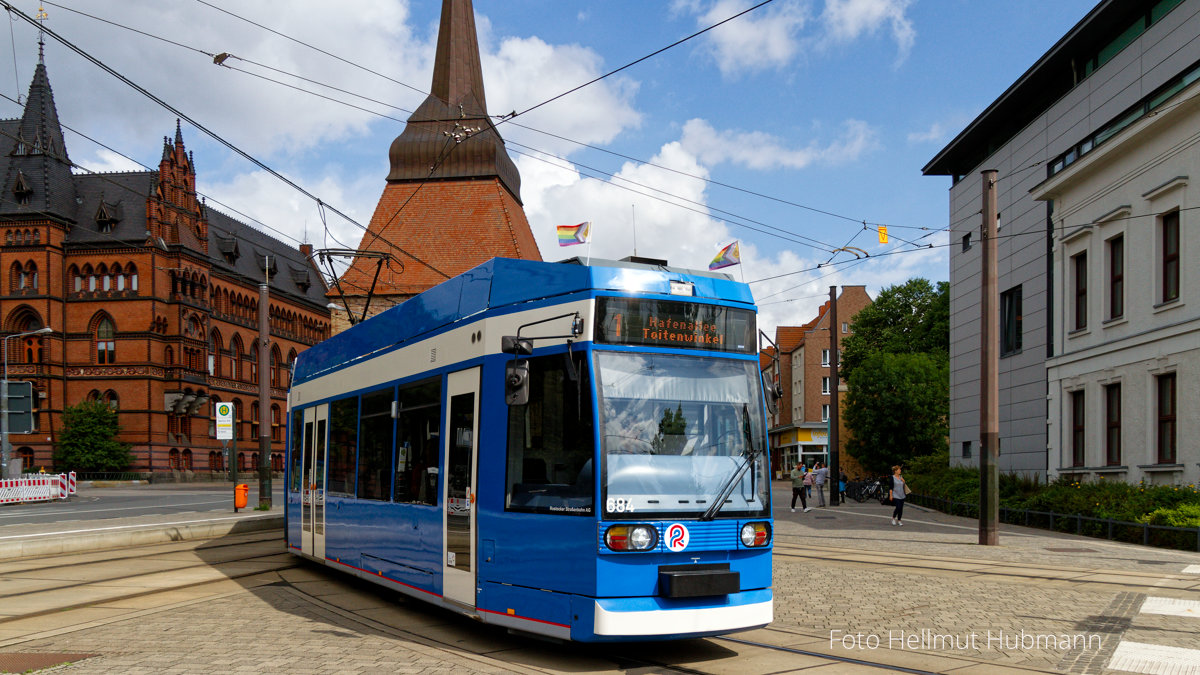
(898, 408)
(88, 440)
(909, 318)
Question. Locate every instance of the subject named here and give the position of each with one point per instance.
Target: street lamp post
(5, 446)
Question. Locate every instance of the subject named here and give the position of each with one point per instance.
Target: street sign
(20, 407)
(224, 421)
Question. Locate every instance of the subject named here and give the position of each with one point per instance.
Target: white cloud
(759, 150)
(936, 132)
(848, 20)
(527, 71)
(763, 39)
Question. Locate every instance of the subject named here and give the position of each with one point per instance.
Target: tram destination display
(666, 323)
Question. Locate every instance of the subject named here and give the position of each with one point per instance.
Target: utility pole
(989, 371)
(835, 472)
(264, 389)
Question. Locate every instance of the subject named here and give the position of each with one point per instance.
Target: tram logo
(677, 537)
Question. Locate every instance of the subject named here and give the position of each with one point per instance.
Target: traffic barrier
(39, 488)
(71, 480)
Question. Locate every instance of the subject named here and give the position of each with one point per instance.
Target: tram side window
(549, 466)
(297, 450)
(417, 437)
(343, 444)
(375, 452)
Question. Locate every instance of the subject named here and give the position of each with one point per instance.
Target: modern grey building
(1125, 63)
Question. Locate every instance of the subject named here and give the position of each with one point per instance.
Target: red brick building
(453, 195)
(799, 431)
(152, 297)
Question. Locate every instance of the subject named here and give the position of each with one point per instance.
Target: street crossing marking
(1139, 657)
(1172, 607)
(1192, 569)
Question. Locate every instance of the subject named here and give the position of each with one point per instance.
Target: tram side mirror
(511, 344)
(774, 393)
(516, 382)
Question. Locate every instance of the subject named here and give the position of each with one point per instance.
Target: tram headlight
(756, 534)
(631, 538)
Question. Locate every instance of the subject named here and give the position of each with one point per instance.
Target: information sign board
(224, 421)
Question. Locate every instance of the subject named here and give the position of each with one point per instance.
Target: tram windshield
(675, 430)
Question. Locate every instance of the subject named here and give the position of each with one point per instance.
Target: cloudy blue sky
(784, 129)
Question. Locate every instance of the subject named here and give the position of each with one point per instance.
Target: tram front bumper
(656, 617)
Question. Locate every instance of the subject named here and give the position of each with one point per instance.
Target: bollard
(241, 495)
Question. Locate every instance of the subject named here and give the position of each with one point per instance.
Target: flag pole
(589, 238)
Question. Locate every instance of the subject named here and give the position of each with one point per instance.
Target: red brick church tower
(453, 196)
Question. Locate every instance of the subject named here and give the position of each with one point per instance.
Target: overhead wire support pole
(835, 470)
(989, 370)
(264, 388)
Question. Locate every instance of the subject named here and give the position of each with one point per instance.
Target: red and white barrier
(37, 488)
(71, 481)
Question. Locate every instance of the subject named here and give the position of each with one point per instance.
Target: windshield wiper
(751, 454)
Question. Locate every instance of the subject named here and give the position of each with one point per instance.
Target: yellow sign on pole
(883, 239)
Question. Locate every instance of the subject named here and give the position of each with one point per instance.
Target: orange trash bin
(241, 494)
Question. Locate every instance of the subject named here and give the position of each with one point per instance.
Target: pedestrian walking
(820, 476)
(842, 486)
(808, 481)
(899, 490)
(798, 475)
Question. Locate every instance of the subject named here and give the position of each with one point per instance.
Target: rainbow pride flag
(570, 235)
(727, 257)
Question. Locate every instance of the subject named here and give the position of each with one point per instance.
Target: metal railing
(1159, 536)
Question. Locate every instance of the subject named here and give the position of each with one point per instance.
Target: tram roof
(499, 283)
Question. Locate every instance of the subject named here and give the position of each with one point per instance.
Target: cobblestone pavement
(1039, 600)
(847, 584)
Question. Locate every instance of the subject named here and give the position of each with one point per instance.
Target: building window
(1010, 321)
(106, 346)
(1112, 424)
(824, 412)
(1170, 256)
(966, 448)
(1116, 277)
(1079, 267)
(1166, 418)
(1077, 437)
(966, 242)
(824, 385)
(845, 327)
(824, 357)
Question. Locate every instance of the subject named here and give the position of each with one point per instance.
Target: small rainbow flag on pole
(570, 235)
(727, 257)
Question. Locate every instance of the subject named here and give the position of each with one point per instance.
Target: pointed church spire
(39, 154)
(178, 133)
(450, 134)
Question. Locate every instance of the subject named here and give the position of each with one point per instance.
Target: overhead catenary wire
(222, 60)
(261, 165)
(208, 132)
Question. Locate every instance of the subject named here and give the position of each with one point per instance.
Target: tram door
(312, 490)
(460, 449)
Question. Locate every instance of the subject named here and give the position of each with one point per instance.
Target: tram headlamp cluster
(755, 535)
(631, 538)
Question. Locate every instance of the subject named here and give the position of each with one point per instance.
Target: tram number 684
(618, 505)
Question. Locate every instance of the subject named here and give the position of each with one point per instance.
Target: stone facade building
(1082, 146)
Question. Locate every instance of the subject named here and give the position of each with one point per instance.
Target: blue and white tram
(577, 451)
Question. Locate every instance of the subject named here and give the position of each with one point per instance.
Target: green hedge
(1155, 504)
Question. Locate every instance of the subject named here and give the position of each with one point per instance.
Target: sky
(794, 129)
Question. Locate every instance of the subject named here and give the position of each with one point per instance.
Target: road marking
(68, 512)
(1171, 607)
(130, 527)
(1139, 657)
(1192, 569)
